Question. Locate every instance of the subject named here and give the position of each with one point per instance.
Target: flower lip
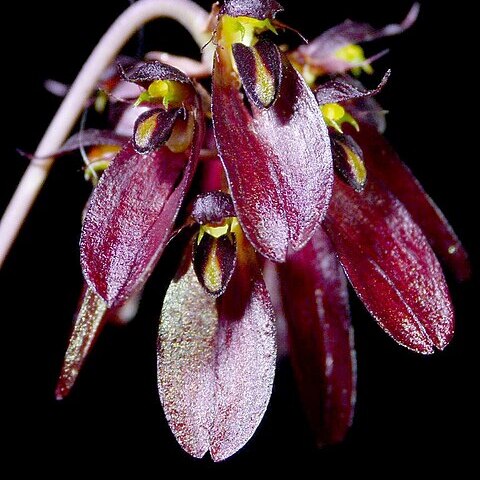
(212, 207)
(259, 9)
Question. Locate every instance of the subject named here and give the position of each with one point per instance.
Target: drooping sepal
(260, 70)
(88, 324)
(216, 358)
(277, 160)
(391, 266)
(382, 160)
(315, 302)
(348, 160)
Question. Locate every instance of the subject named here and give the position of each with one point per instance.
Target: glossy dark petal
(342, 90)
(216, 360)
(154, 127)
(366, 110)
(145, 73)
(391, 266)
(348, 160)
(212, 207)
(88, 324)
(315, 300)
(260, 70)
(278, 161)
(350, 32)
(383, 162)
(90, 138)
(214, 261)
(260, 9)
(131, 216)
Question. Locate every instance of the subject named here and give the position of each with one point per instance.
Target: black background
(413, 413)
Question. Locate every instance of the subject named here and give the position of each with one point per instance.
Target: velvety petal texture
(315, 302)
(382, 160)
(216, 359)
(277, 160)
(391, 266)
(130, 218)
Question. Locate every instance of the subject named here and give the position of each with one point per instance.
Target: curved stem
(187, 13)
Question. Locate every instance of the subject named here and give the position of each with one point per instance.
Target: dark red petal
(391, 266)
(88, 324)
(350, 32)
(260, 9)
(342, 90)
(131, 216)
(383, 162)
(315, 300)
(214, 261)
(260, 70)
(212, 207)
(153, 128)
(278, 162)
(145, 73)
(216, 361)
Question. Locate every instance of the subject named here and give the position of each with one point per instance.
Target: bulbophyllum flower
(278, 176)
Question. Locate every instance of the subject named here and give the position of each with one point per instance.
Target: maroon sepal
(260, 9)
(131, 216)
(315, 301)
(216, 359)
(89, 322)
(391, 266)
(277, 160)
(342, 90)
(382, 160)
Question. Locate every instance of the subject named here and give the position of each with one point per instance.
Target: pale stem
(187, 13)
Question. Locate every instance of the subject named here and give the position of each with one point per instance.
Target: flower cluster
(277, 176)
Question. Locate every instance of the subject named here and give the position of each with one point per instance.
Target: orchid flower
(278, 188)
